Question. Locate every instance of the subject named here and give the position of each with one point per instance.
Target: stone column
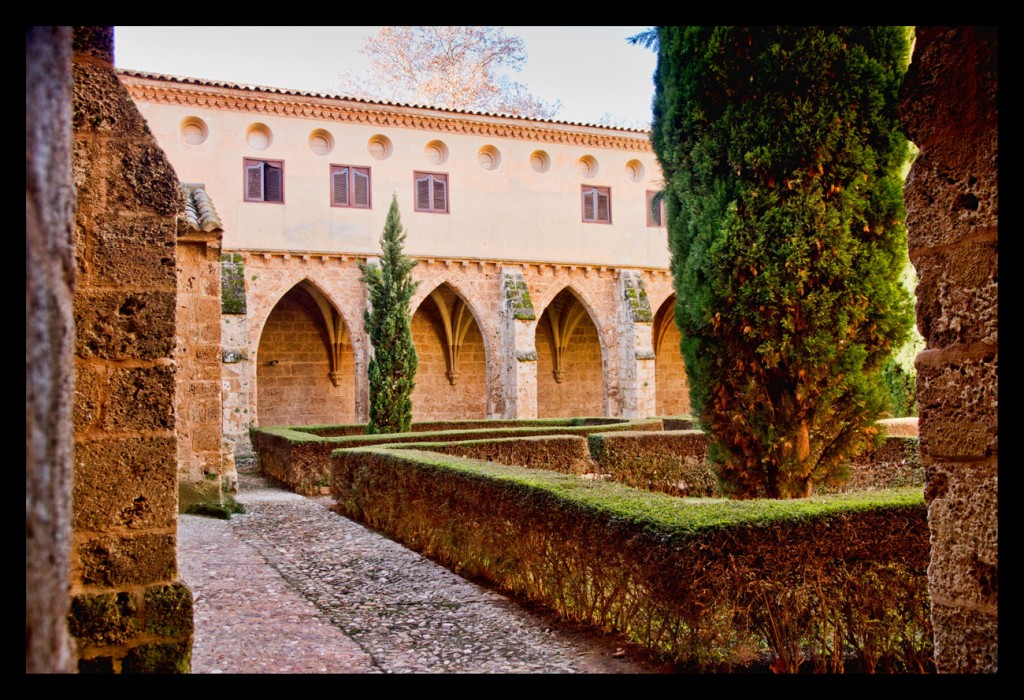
(949, 106)
(518, 331)
(129, 610)
(236, 363)
(636, 353)
(49, 336)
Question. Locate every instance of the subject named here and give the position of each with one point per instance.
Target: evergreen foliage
(781, 154)
(393, 366)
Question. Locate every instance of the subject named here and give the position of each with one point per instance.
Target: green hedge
(299, 458)
(831, 583)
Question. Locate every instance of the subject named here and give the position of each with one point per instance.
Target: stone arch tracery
(305, 369)
(452, 377)
(571, 362)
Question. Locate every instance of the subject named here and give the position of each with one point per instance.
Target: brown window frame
(247, 165)
(598, 191)
(418, 175)
(350, 184)
(650, 211)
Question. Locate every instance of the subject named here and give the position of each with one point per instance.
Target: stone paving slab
(292, 587)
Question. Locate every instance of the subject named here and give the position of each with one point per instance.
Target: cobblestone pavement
(292, 587)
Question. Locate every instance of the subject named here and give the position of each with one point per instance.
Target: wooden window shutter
(588, 205)
(254, 182)
(440, 194)
(423, 193)
(603, 205)
(273, 183)
(340, 182)
(360, 187)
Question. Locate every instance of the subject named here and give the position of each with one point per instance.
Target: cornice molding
(338, 109)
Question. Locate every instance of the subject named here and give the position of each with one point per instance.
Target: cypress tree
(392, 368)
(781, 152)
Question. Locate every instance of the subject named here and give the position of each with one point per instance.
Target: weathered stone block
(947, 89)
(101, 104)
(951, 391)
(97, 42)
(130, 252)
(85, 410)
(197, 489)
(167, 610)
(140, 398)
(958, 295)
(124, 560)
(963, 519)
(149, 181)
(174, 657)
(966, 641)
(125, 483)
(124, 325)
(104, 618)
(952, 192)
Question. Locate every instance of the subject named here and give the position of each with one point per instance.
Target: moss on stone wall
(173, 657)
(232, 284)
(104, 618)
(167, 611)
(517, 297)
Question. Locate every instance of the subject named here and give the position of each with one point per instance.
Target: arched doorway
(305, 372)
(570, 371)
(672, 395)
(451, 380)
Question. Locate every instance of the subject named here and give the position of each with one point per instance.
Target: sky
(595, 73)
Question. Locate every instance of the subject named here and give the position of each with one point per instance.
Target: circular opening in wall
(635, 171)
(540, 161)
(193, 131)
(586, 166)
(489, 158)
(258, 136)
(321, 142)
(379, 146)
(436, 152)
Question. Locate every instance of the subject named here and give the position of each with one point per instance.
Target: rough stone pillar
(236, 363)
(129, 612)
(518, 343)
(636, 354)
(204, 474)
(949, 106)
(49, 334)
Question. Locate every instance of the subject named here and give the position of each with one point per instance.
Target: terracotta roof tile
(199, 212)
(324, 95)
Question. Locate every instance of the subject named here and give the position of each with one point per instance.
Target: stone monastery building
(544, 283)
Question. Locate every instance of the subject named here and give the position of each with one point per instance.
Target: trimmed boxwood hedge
(831, 583)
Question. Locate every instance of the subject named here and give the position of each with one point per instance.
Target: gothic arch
(304, 364)
(571, 359)
(672, 390)
(453, 373)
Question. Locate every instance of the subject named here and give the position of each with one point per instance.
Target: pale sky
(592, 70)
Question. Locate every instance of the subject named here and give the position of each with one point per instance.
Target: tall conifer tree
(393, 366)
(781, 154)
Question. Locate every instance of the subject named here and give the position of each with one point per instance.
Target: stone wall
(205, 470)
(129, 612)
(949, 107)
(49, 336)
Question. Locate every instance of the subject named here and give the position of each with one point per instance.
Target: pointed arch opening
(451, 380)
(305, 369)
(570, 370)
(672, 390)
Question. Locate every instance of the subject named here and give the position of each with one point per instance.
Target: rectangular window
(264, 180)
(655, 212)
(431, 191)
(350, 186)
(597, 204)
